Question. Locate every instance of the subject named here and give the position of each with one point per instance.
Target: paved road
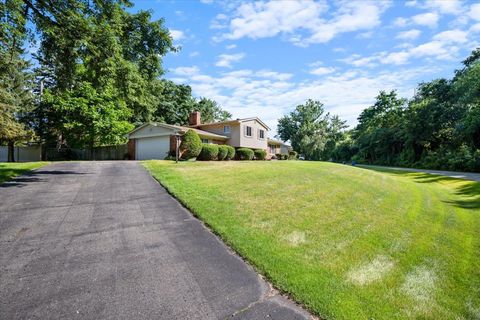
(103, 240)
(453, 174)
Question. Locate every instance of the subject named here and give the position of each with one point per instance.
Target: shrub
(260, 154)
(284, 156)
(244, 154)
(222, 152)
(278, 156)
(191, 145)
(231, 153)
(292, 155)
(209, 152)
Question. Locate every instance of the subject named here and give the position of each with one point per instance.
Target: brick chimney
(194, 118)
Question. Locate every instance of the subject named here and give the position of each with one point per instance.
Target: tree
(15, 80)
(211, 111)
(309, 130)
(90, 118)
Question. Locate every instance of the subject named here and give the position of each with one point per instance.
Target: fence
(118, 152)
(22, 154)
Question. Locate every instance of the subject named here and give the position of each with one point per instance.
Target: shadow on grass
(467, 195)
(21, 177)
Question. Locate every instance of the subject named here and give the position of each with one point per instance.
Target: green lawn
(347, 242)
(11, 170)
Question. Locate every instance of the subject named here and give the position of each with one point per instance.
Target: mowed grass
(9, 170)
(347, 242)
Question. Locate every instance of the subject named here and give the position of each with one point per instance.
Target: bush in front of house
(278, 156)
(292, 155)
(260, 154)
(244, 154)
(191, 145)
(209, 152)
(222, 152)
(231, 153)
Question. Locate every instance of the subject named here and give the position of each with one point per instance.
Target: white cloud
(400, 22)
(177, 34)
(474, 12)
(429, 19)
(409, 35)
(186, 71)
(320, 71)
(194, 54)
(265, 94)
(293, 18)
(206, 1)
(231, 46)
(452, 36)
(445, 6)
(226, 60)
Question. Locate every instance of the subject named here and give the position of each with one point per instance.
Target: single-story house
(157, 140)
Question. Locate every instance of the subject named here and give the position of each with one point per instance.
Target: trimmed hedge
(231, 153)
(244, 154)
(278, 156)
(209, 152)
(191, 145)
(292, 155)
(222, 152)
(260, 154)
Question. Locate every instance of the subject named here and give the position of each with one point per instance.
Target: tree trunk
(11, 152)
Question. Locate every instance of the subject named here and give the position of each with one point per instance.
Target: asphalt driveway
(103, 240)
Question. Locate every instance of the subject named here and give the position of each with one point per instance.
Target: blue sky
(264, 58)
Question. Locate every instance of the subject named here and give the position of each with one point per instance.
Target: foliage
(260, 154)
(439, 128)
(398, 244)
(244, 154)
(231, 153)
(311, 131)
(222, 152)
(292, 155)
(209, 152)
(191, 145)
(89, 118)
(16, 98)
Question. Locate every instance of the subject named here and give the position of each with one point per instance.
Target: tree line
(439, 128)
(83, 73)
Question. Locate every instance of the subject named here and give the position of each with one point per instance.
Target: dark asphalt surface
(103, 240)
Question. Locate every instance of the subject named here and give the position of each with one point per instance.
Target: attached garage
(152, 148)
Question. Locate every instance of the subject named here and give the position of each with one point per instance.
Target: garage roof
(180, 129)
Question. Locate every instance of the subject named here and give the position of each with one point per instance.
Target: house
(157, 140)
(277, 147)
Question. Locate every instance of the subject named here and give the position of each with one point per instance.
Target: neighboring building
(277, 147)
(157, 140)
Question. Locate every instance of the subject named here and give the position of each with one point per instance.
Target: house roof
(277, 142)
(181, 129)
(233, 121)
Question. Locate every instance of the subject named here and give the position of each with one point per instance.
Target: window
(248, 131)
(261, 134)
(226, 129)
(205, 141)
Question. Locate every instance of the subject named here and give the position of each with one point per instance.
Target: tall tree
(15, 80)
(309, 130)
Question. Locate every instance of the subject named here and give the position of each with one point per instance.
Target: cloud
(474, 12)
(226, 60)
(194, 54)
(231, 46)
(320, 71)
(429, 19)
(409, 35)
(303, 21)
(441, 6)
(177, 34)
(400, 22)
(186, 71)
(270, 94)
